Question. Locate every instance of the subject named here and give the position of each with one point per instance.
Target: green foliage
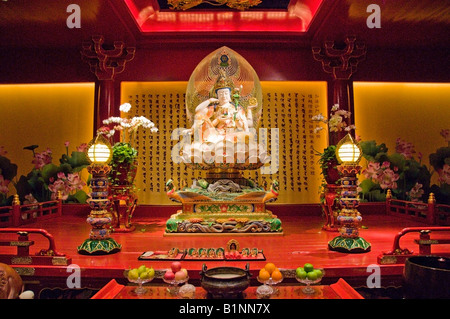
(37, 181)
(9, 171)
(440, 158)
(123, 153)
(409, 172)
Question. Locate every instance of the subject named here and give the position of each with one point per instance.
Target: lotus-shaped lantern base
(349, 245)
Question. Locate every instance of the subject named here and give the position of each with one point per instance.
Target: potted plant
(124, 155)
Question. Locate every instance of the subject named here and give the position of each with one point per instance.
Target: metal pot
(427, 277)
(225, 282)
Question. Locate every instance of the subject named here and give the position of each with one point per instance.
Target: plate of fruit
(309, 275)
(270, 275)
(140, 276)
(175, 276)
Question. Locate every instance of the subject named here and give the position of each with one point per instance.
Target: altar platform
(303, 241)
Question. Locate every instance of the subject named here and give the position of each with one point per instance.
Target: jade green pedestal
(99, 247)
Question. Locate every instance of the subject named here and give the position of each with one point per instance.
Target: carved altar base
(222, 206)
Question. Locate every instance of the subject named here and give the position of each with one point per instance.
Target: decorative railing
(431, 212)
(398, 255)
(46, 256)
(17, 214)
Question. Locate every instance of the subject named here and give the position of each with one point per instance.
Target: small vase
(331, 173)
(123, 174)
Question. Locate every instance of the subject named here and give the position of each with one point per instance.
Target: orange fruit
(264, 275)
(276, 275)
(270, 267)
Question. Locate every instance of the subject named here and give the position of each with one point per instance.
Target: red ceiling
(150, 18)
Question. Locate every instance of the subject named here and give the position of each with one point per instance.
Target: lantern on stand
(348, 153)
(99, 242)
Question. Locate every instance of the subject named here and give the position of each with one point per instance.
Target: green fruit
(144, 275)
(318, 272)
(151, 272)
(300, 273)
(308, 267)
(133, 274)
(141, 269)
(312, 275)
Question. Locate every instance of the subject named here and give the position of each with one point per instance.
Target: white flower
(335, 107)
(125, 107)
(318, 129)
(318, 117)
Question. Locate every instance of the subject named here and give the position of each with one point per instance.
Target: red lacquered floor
(303, 241)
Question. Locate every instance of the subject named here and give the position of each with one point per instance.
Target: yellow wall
(414, 112)
(46, 115)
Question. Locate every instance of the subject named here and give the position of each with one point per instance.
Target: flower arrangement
(406, 177)
(8, 172)
(45, 179)
(440, 161)
(124, 154)
(336, 123)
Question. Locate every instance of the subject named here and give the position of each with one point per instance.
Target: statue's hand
(213, 100)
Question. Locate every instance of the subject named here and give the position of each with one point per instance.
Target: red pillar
(105, 63)
(340, 60)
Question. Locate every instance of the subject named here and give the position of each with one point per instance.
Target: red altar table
(339, 290)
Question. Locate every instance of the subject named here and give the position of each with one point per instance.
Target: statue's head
(223, 87)
(223, 95)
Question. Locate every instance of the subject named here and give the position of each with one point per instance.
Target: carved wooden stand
(126, 194)
(330, 194)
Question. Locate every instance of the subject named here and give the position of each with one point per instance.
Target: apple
(308, 267)
(300, 273)
(176, 266)
(180, 275)
(185, 271)
(169, 275)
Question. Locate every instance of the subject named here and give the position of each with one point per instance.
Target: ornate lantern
(348, 153)
(99, 242)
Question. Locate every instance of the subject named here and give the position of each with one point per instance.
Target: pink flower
(3, 152)
(388, 179)
(66, 143)
(42, 159)
(416, 192)
(381, 174)
(82, 147)
(66, 185)
(371, 172)
(404, 148)
(446, 134)
(444, 174)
